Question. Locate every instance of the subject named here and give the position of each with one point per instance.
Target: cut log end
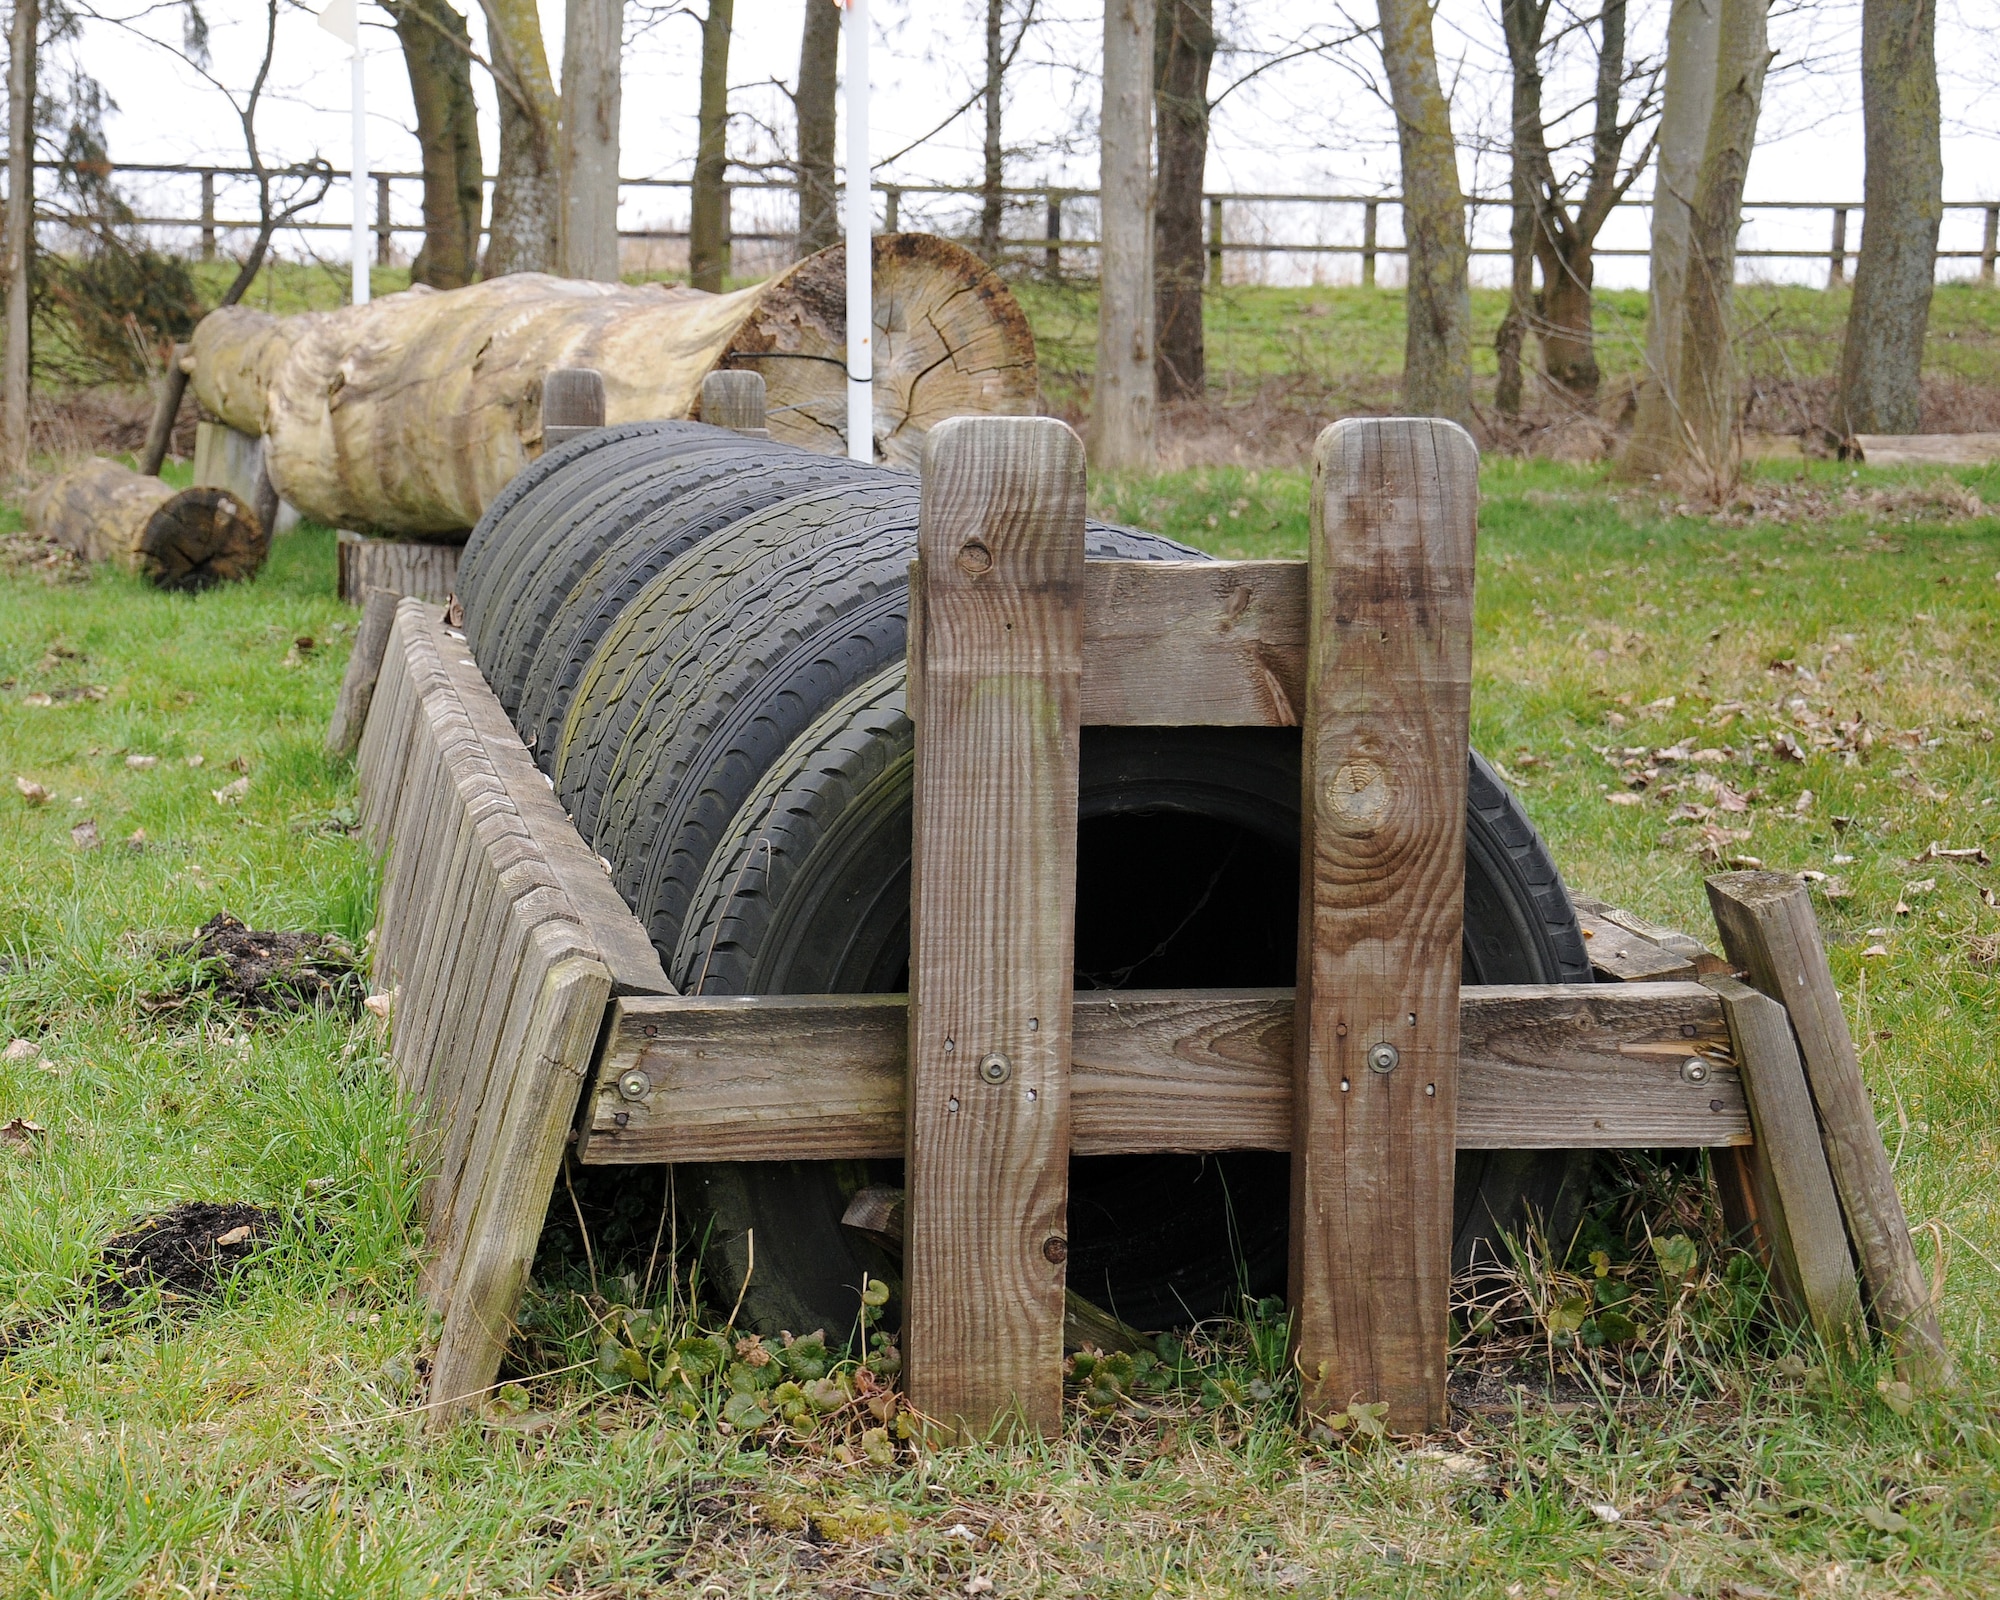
(200, 538)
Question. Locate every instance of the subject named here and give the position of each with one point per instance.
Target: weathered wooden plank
(821, 1077)
(1382, 908)
(1619, 955)
(735, 400)
(408, 566)
(1768, 929)
(364, 671)
(1674, 942)
(1177, 643)
(1778, 1189)
(996, 666)
(517, 1175)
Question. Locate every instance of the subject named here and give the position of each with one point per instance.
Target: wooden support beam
(735, 400)
(1675, 943)
(1777, 1190)
(1768, 929)
(821, 1077)
(996, 669)
(1617, 955)
(1382, 910)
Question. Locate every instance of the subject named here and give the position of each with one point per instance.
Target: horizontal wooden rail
(820, 1077)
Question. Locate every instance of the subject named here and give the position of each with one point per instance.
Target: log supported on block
(225, 458)
(1768, 929)
(184, 539)
(823, 1077)
(413, 567)
(996, 665)
(1382, 906)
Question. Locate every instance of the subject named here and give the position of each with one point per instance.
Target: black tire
(530, 496)
(712, 501)
(810, 894)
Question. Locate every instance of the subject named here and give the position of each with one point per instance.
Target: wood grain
(405, 566)
(821, 1077)
(996, 668)
(1674, 942)
(1180, 643)
(1768, 929)
(364, 670)
(1382, 909)
(1619, 955)
(735, 400)
(1778, 1189)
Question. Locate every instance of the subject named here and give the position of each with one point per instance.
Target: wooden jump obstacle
(529, 1008)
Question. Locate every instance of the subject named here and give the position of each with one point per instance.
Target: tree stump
(402, 566)
(180, 539)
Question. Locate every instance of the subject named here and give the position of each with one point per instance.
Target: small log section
(499, 942)
(514, 967)
(412, 567)
(995, 683)
(181, 539)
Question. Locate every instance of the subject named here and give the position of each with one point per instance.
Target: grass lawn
(1833, 639)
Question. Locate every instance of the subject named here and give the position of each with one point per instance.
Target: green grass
(262, 1445)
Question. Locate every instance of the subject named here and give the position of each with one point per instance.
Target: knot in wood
(974, 558)
(1055, 1249)
(1359, 791)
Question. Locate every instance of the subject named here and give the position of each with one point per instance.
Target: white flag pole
(860, 243)
(342, 19)
(360, 179)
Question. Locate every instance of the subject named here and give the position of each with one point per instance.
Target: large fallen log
(233, 361)
(178, 538)
(407, 415)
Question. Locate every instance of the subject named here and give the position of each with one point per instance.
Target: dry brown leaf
(141, 763)
(84, 835)
(31, 791)
(20, 1050)
(20, 1133)
(230, 793)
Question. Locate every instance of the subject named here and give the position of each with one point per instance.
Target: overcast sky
(1315, 124)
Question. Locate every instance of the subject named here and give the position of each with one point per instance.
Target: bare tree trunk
(437, 50)
(1123, 401)
(819, 55)
(1694, 32)
(525, 232)
(992, 203)
(20, 232)
(587, 148)
(708, 228)
(1183, 50)
(1882, 359)
(1706, 370)
(1523, 22)
(1437, 350)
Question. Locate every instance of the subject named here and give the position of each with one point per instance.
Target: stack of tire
(701, 639)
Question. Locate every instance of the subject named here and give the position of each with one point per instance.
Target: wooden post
(1381, 913)
(1836, 262)
(207, 216)
(1778, 1189)
(572, 404)
(382, 239)
(891, 204)
(1052, 250)
(1369, 213)
(1768, 929)
(996, 670)
(735, 400)
(1989, 247)
(1215, 241)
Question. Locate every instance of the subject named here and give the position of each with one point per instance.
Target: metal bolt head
(1694, 1070)
(1383, 1057)
(995, 1068)
(633, 1084)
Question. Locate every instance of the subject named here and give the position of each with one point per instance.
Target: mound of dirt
(187, 1252)
(265, 970)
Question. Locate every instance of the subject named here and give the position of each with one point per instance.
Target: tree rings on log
(178, 538)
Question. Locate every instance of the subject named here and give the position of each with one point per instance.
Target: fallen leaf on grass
(1785, 746)
(1896, 1395)
(1607, 1513)
(37, 700)
(141, 763)
(1983, 950)
(1875, 950)
(84, 835)
(1883, 1520)
(195, 761)
(20, 1050)
(1986, 898)
(1937, 852)
(32, 792)
(230, 793)
(1625, 798)
(20, 1133)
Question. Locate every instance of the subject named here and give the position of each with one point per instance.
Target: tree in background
(1903, 189)
(1183, 52)
(437, 51)
(1123, 399)
(993, 94)
(1437, 344)
(525, 232)
(813, 105)
(1699, 446)
(708, 227)
(1694, 33)
(587, 140)
(22, 38)
(1562, 235)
